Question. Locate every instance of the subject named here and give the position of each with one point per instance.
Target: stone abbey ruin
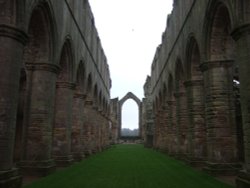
(55, 105)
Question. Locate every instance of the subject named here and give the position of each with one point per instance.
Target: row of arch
(43, 47)
(60, 113)
(196, 97)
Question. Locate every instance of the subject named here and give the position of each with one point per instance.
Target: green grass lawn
(128, 166)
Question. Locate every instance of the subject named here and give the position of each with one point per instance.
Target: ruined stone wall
(195, 74)
(114, 112)
(147, 115)
(55, 90)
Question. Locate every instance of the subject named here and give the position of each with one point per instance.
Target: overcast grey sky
(130, 31)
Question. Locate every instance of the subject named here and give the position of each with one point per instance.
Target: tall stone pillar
(99, 130)
(77, 127)
(220, 117)
(12, 41)
(157, 131)
(106, 131)
(63, 124)
(87, 124)
(154, 127)
(104, 125)
(165, 128)
(101, 124)
(93, 113)
(167, 121)
(242, 37)
(160, 129)
(38, 120)
(182, 124)
(197, 127)
(103, 129)
(172, 136)
(149, 125)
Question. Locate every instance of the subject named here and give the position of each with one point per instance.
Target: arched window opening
(130, 119)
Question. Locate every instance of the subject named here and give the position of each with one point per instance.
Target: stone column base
(63, 161)
(10, 179)
(180, 156)
(225, 169)
(88, 152)
(172, 154)
(94, 150)
(37, 168)
(163, 150)
(102, 148)
(195, 162)
(243, 180)
(78, 156)
(107, 147)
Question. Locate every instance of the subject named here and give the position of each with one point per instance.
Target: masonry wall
(198, 76)
(55, 89)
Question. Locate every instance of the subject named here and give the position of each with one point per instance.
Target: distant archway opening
(130, 119)
(128, 96)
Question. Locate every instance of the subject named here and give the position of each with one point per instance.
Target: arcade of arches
(55, 105)
(197, 96)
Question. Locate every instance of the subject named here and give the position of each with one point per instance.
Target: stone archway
(132, 96)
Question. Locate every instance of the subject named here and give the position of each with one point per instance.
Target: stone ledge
(216, 64)
(10, 179)
(42, 66)
(243, 180)
(14, 33)
(78, 156)
(79, 96)
(66, 85)
(63, 161)
(37, 168)
(88, 152)
(225, 169)
(14, 182)
(195, 162)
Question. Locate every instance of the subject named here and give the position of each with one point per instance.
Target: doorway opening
(130, 119)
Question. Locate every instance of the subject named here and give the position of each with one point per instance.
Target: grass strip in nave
(128, 166)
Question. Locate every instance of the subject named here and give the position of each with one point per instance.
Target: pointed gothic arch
(132, 96)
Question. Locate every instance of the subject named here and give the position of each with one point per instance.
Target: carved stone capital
(216, 64)
(42, 67)
(14, 33)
